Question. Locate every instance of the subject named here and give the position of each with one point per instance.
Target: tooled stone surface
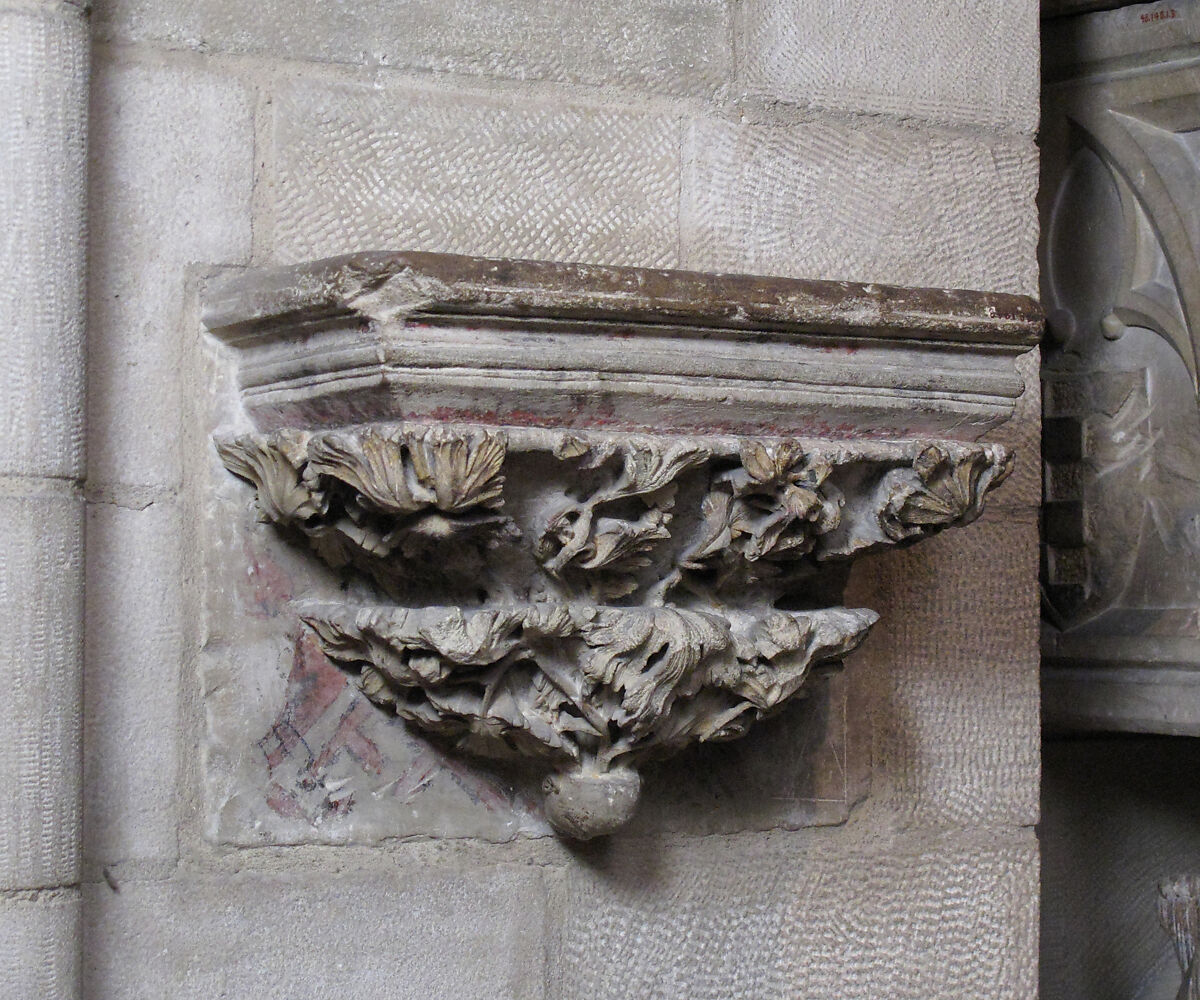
(590, 601)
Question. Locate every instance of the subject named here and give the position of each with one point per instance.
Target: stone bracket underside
(587, 599)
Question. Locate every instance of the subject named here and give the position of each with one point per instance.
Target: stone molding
(421, 336)
(581, 598)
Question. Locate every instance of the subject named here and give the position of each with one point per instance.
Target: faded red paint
(312, 687)
(266, 587)
(349, 737)
(322, 719)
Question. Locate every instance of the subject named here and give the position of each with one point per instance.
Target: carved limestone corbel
(557, 582)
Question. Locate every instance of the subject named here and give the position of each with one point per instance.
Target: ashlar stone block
(133, 662)
(362, 168)
(972, 63)
(41, 555)
(953, 681)
(39, 945)
(170, 180)
(43, 136)
(378, 935)
(668, 46)
(843, 914)
(861, 203)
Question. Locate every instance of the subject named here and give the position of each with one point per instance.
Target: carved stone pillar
(594, 515)
(43, 115)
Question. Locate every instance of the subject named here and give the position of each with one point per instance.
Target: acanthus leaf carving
(620, 603)
(943, 489)
(600, 686)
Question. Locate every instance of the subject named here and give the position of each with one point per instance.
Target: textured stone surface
(1118, 814)
(670, 46)
(42, 141)
(952, 671)
(399, 936)
(39, 946)
(861, 203)
(170, 179)
(795, 915)
(1023, 436)
(131, 690)
(946, 62)
(363, 169)
(41, 563)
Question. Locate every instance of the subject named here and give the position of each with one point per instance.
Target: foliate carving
(594, 535)
(592, 601)
(379, 497)
(584, 684)
(946, 490)
(592, 690)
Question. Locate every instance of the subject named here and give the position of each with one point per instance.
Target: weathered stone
(367, 168)
(586, 599)
(172, 158)
(940, 63)
(131, 708)
(41, 562)
(865, 202)
(441, 933)
(669, 350)
(666, 46)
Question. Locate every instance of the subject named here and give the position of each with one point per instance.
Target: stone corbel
(607, 512)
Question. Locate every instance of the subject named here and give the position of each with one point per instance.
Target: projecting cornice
(606, 512)
(416, 336)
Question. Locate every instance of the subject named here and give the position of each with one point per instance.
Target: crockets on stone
(589, 601)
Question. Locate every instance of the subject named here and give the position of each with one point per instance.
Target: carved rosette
(593, 601)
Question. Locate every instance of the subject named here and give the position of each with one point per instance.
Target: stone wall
(871, 142)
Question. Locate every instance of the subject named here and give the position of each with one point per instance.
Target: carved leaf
(610, 549)
(771, 463)
(784, 647)
(372, 463)
(771, 509)
(645, 656)
(462, 471)
(947, 488)
(274, 464)
(649, 466)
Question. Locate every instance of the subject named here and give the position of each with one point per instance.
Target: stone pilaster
(44, 62)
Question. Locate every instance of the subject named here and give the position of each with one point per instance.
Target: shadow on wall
(1118, 814)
